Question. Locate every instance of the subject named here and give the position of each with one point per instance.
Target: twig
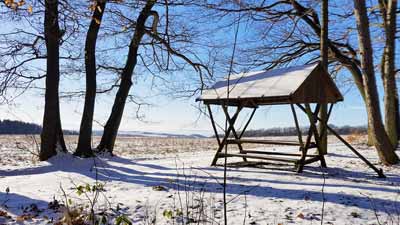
(323, 196)
(372, 202)
(226, 120)
(245, 208)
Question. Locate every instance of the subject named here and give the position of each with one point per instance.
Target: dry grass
(356, 138)
(22, 147)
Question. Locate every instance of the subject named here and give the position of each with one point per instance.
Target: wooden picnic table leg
(304, 150)
(248, 122)
(220, 143)
(232, 126)
(378, 171)
(366, 161)
(213, 124)
(313, 121)
(300, 163)
(326, 122)
(223, 142)
(296, 122)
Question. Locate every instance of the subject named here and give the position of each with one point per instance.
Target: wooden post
(232, 126)
(213, 124)
(311, 132)
(226, 135)
(366, 161)
(248, 122)
(299, 136)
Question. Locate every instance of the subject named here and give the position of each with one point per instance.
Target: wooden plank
(315, 159)
(256, 141)
(222, 155)
(274, 153)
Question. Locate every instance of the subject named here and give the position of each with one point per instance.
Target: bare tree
(388, 69)
(84, 147)
(33, 39)
(21, 50)
(112, 125)
(52, 139)
(156, 59)
(381, 139)
(158, 56)
(324, 61)
(291, 32)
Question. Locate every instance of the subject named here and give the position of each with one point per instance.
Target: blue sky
(177, 115)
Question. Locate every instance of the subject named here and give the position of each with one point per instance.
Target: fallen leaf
(159, 188)
(23, 217)
(355, 214)
(3, 213)
(30, 9)
(300, 215)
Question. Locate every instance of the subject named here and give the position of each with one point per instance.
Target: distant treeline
(291, 131)
(19, 127)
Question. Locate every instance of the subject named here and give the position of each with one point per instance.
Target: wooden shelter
(298, 86)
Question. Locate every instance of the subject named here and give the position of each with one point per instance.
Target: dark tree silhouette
(52, 139)
(84, 147)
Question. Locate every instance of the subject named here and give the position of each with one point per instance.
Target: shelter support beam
(223, 142)
(307, 145)
(254, 154)
(303, 146)
(366, 161)
(314, 129)
(232, 126)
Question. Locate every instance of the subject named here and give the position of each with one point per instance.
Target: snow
(277, 82)
(147, 185)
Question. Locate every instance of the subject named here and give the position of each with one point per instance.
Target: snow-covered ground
(157, 187)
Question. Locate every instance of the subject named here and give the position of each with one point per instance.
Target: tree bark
(324, 61)
(52, 139)
(111, 128)
(397, 116)
(337, 55)
(370, 135)
(388, 10)
(84, 147)
(381, 140)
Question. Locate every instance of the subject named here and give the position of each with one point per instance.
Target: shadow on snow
(148, 174)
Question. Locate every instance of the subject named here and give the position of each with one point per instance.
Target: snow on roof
(273, 83)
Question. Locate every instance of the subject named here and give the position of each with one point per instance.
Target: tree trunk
(388, 10)
(324, 58)
(370, 132)
(390, 91)
(381, 140)
(111, 129)
(52, 139)
(397, 117)
(337, 55)
(85, 133)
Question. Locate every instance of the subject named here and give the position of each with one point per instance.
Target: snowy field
(169, 181)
